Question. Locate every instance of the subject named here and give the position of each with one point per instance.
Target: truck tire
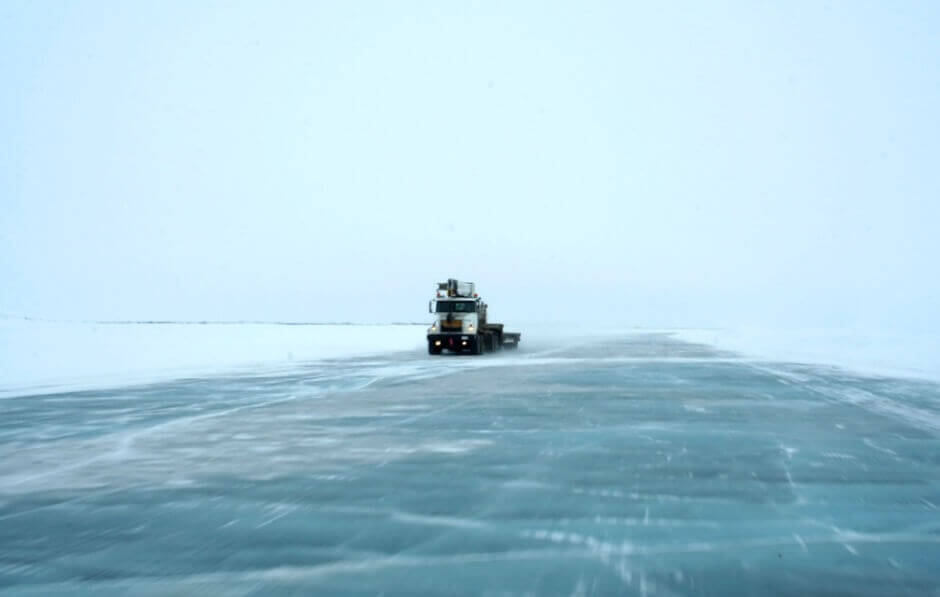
(477, 347)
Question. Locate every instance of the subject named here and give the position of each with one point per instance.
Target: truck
(460, 323)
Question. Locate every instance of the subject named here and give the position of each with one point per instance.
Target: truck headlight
(470, 327)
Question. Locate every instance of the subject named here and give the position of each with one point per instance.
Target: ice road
(629, 465)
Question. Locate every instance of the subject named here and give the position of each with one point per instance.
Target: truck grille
(451, 326)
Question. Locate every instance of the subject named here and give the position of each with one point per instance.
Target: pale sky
(696, 164)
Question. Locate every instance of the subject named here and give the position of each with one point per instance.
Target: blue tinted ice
(635, 465)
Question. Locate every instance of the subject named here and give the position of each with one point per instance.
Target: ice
(872, 352)
(620, 464)
(43, 356)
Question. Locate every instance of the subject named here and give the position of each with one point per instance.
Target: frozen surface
(873, 352)
(37, 354)
(624, 465)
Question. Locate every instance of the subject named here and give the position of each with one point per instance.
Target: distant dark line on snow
(199, 321)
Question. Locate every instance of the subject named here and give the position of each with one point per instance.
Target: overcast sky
(700, 164)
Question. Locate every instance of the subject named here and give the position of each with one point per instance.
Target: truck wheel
(478, 345)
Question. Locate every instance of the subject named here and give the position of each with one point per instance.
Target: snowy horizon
(656, 166)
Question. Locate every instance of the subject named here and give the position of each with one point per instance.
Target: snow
(621, 465)
(42, 356)
(883, 353)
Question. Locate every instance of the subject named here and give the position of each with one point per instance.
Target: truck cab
(460, 324)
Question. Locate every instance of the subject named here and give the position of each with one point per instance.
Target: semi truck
(460, 323)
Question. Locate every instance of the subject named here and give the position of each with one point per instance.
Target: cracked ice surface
(636, 464)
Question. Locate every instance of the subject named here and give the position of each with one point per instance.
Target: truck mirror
(430, 306)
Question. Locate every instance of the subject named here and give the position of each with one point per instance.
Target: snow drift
(42, 356)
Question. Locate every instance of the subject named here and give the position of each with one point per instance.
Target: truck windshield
(456, 306)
